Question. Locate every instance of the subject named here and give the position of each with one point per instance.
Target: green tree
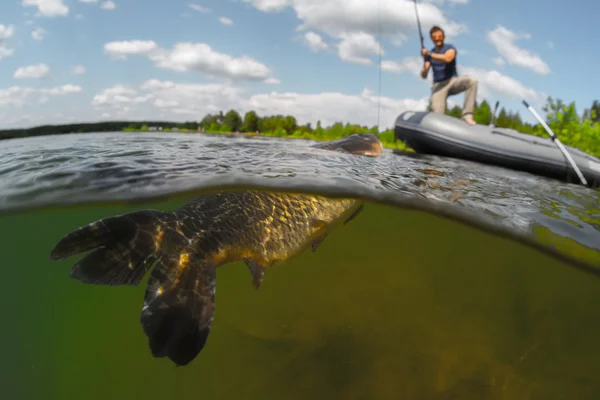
(502, 120)
(594, 112)
(319, 131)
(209, 121)
(289, 124)
(233, 120)
(483, 113)
(456, 111)
(250, 122)
(214, 127)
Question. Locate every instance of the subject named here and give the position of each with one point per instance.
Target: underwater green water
(396, 304)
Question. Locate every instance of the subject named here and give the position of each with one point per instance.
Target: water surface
(418, 297)
(38, 172)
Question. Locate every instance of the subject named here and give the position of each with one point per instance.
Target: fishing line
(379, 66)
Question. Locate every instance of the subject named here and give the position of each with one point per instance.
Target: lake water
(458, 281)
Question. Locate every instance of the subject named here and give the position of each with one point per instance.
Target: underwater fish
(183, 248)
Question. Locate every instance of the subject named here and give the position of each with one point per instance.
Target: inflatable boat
(443, 135)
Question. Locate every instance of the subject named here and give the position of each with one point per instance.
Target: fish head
(366, 144)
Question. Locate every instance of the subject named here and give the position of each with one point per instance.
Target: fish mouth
(366, 144)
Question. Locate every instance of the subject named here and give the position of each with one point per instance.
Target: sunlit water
(437, 290)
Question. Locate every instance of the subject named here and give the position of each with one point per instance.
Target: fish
(181, 250)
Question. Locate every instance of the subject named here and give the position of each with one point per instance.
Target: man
(446, 82)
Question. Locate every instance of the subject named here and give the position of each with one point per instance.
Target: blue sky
(89, 60)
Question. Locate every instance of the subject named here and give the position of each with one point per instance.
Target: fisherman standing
(446, 82)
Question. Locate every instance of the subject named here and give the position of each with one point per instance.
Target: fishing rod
(419, 25)
(558, 143)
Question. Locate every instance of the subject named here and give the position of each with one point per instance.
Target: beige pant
(455, 85)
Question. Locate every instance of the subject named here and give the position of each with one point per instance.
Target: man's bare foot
(469, 120)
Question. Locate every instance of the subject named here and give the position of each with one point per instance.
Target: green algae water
(458, 280)
(396, 303)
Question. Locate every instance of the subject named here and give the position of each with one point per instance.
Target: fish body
(182, 249)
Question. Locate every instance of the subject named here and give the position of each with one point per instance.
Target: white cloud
(199, 8)
(200, 57)
(37, 118)
(331, 107)
(314, 41)
(357, 47)
(155, 97)
(499, 61)
(130, 47)
(63, 90)
(115, 95)
(179, 101)
(78, 70)
(15, 96)
(269, 5)
(160, 103)
(5, 51)
(489, 81)
(6, 31)
(122, 99)
(38, 34)
(398, 39)
(18, 96)
(441, 2)
(411, 64)
(48, 8)
(37, 71)
(337, 17)
(353, 24)
(225, 21)
(108, 5)
(504, 41)
(501, 84)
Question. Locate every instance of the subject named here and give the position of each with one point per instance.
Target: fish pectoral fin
(354, 214)
(317, 242)
(179, 307)
(257, 270)
(318, 223)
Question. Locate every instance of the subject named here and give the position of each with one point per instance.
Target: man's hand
(424, 52)
(425, 69)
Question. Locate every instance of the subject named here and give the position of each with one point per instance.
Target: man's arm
(425, 69)
(447, 57)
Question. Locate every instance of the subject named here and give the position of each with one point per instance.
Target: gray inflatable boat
(439, 134)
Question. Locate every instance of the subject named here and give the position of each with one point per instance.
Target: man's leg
(439, 94)
(467, 84)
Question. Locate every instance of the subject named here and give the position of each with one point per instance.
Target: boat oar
(494, 113)
(558, 143)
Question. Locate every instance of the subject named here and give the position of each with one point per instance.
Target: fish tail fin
(179, 307)
(123, 248)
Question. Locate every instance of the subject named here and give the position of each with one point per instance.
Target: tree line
(582, 131)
